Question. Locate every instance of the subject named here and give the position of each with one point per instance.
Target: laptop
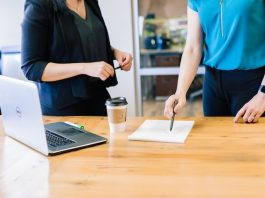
(22, 120)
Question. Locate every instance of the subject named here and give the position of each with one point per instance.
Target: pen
(173, 116)
(120, 67)
(75, 125)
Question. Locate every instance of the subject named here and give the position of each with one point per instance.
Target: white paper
(158, 131)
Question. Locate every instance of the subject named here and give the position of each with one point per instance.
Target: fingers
(251, 118)
(168, 112)
(256, 119)
(179, 106)
(251, 115)
(252, 110)
(109, 69)
(240, 114)
(170, 103)
(248, 115)
(127, 67)
(104, 75)
(106, 71)
(126, 62)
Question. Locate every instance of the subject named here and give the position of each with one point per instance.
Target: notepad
(158, 131)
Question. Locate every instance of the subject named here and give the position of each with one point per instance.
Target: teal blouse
(233, 32)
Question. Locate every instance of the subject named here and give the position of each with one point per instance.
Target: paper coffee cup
(117, 113)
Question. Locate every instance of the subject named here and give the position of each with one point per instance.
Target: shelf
(157, 51)
(165, 71)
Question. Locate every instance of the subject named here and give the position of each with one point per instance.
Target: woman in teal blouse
(228, 37)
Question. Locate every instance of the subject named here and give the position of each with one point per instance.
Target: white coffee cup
(117, 114)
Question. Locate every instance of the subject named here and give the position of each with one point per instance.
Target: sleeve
(192, 4)
(35, 39)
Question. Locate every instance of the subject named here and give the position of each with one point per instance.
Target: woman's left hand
(252, 111)
(124, 59)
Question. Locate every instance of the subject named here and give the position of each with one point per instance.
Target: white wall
(11, 15)
(119, 19)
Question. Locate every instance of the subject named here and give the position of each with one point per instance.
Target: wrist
(180, 93)
(82, 68)
(115, 52)
(262, 91)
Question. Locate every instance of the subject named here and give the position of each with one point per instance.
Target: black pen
(173, 116)
(120, 67)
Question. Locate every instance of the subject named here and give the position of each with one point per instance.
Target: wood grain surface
(219, 159)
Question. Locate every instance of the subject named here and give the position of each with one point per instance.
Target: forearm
(55, 72)
(188, 68)
(114, 52)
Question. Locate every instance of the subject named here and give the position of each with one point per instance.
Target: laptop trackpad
(69, 131)
(63, 129)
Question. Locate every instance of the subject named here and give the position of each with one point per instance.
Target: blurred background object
(163, 33)
(11, 62)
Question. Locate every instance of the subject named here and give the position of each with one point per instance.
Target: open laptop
(22, 119)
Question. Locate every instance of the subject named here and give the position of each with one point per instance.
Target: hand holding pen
(124, 59)
(174, 104)
(173, 116)
(119, 67)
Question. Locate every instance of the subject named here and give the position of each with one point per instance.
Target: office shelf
(165, 71)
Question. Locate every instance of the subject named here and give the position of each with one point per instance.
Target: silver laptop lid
(22, 117)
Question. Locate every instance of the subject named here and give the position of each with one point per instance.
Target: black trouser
(226, 92)
(89, 107)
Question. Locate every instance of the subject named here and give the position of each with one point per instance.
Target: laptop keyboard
(57, 140)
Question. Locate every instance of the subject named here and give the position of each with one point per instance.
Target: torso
(242, 44)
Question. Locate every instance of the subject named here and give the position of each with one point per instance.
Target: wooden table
(219, 159)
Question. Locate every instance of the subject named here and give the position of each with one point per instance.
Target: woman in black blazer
(66, 50)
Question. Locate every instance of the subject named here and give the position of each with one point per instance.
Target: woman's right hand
(100, 70)
(181, 101)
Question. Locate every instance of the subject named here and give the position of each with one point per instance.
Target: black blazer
(49, 34)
